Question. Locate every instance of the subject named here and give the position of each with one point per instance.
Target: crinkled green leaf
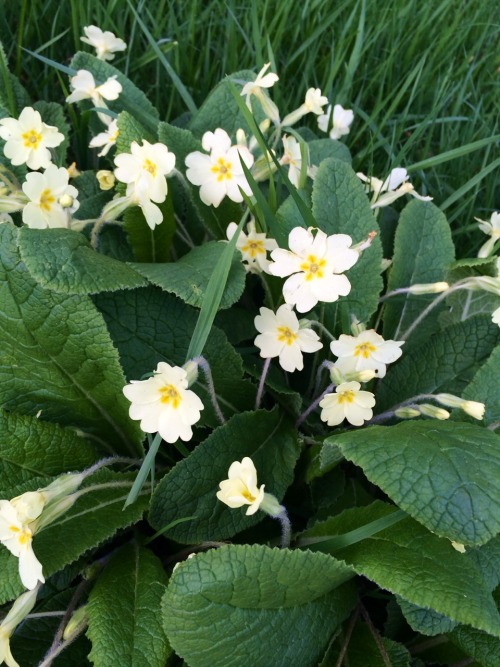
(340, 206)
(151, 245)
(423, 251)
(57, 358)
(445, 475)
(425, 621)
(252, 603)
(129, 130)
(363, 650)
(322, 149)
(484, 648)
(124, 611)
(149, 326)
(188, 277)
(179, 141)
(31, 448)
(485, 388)
(63, 261)
(408, 560)
(189, 489)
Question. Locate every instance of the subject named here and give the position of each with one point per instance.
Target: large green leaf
(151, 245)
(149, 326)
(445, 475)
(57, 359)
(189, 488)
(94, 518)
(253, 604)
(124, 611)
(485, 388)
(31, 448)
(363, 650)
(484, 648)
(408, 560)
(425, 621)
(188, 277)
(444, 363)
(63, 261)
(340, 206)
(322, 149)
(423, 250)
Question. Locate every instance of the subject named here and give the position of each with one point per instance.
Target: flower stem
(286, 528)
(314, 405)
(262, 382)
(205, 367)
(427, 310)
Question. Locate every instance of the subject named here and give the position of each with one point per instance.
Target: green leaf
(188, 277)
(363, 650)
(485, 388)
(95, 517)
(63, 261)
(484, 648)
(444, 363)
(151, 245)
(149, 326)
(124, 611)
(129, 130)
(57, 357)
(31, 448)
(92, 199)
(425, 621)
(53, 114)
(455, 495)
(340, 206)
(423, 250)
(408, 560)
(322, 149)
(179, 141)
(131, 99)
(251, 603)
(189, 488)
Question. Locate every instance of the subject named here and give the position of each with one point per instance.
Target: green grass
(422, 77)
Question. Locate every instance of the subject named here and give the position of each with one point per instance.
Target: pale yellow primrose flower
(313, 103)
(48, 194)
(144, 170)
(106, 179)
(255, 88)
(219, 174)
(314, 264)
(348, 402)
(253, 246)
(84, 88)
(241, 487)
(395, 186)
(164, 404)
(473, 408)
(105, 43)
(20, 609)
(281, 336)
(107, 139)
(293, 157)
(366, 351)
(492, 228)
(28, 139)
(341, 121)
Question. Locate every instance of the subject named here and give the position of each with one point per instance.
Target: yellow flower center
(46, 200)
(170, 394)
(246, 494)
(364, 350)
(346, 396)
(254, 248)
(223, 169)
(313, 267)
(286, 335)
(32, 139)
(25, 537)
(112, 139)
(150, 167)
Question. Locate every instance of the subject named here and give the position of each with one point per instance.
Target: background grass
(422, 77)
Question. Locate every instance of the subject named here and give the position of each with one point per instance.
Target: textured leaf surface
(485, 388)
(124, 611)
(363, 650)
(57, 357)
(63, 261)
(340, 206)
(151, 245)
(408, 560)
(188, 277)
(241, 603)
(484, 648)
(30, 448)
(445, 475)
(149, 326)
(423, 250)
(425, 621)
(94, 518)
(322, 149)
(444, 363)
(189, 488)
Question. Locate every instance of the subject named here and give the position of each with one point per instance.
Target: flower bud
(270, 505)
(472, 408)
(53, 512)
(76, 623)
(336, 376)
(63, 486)
(66, 201)
(11, 204)
(362, 376)
(432, 411)
(18, 612)
(241, 138)
(73, 171)
(407, 413)
(428, 288)
(116, 207)
(486, 283)
(191, 368)
(106, 179)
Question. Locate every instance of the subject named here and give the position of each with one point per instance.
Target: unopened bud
(76, 623)
(472, 408)
(432, 411)
(11, 204)
(241, 138)
(66, 201)
(53, 512)
(191, 368)
(336, 376)
(407, 413)
(428, 288)
(106, 179)
(361, 376)
(357, 327)
(264, 125)
(116, 207)
(73, 171)
(486, 283)
(63, 486)
(21, 607)
(263, 168)
(270, 505)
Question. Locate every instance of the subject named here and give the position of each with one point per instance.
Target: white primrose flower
(281, 336)
(241, 487)
(105, 43)
(314, 264)
(49, 194)
(28, 139)
(341, 121)
(219, 174)
(253, 247)
(164, 404)
(84, 88)
(106, 139)
(256, 87)
(492, 228)
(293, 157)
(313, 103)
(366, 351)
(144, 170)
(395, 186)
(348, 402)
(20, 609)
